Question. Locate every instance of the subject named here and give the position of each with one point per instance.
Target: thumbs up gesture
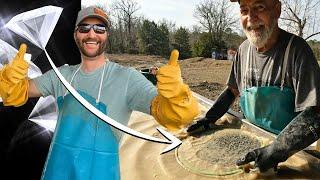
(13, 80)
(174, 58)
(169, 77)
(17, 70)
(174, 107)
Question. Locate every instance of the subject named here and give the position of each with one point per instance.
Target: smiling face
(91, 44)
(259, 19)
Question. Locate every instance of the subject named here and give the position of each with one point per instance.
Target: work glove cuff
(17, 95)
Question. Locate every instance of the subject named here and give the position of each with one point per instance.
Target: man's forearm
(33, 90)
(301, 132)
(218, 109)
(222, 104)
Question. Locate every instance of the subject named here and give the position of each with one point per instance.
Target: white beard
(261, 39)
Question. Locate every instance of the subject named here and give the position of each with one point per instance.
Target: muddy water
(141, 160)
(216, 153)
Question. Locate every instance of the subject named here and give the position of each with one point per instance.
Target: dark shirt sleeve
(306, 78)
(234, 78)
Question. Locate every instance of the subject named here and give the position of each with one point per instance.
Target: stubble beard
(98, 52)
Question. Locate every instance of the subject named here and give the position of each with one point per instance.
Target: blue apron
(269, 107)
(83, 147)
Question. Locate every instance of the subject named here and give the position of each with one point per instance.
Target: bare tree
(301, 17)
(215, 17)
(125, 11)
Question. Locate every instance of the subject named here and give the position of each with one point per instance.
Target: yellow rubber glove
(13, 80)
(174, 107)
(17, 70)
(18, 95)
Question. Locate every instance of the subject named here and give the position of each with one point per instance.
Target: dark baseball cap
(95, 12)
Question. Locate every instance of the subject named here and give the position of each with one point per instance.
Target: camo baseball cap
(93, 11)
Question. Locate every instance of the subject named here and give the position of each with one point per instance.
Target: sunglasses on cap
(97, 28)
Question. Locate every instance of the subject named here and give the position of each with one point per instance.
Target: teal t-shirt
(123, 89)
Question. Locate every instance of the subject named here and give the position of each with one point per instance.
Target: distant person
(84, 147)
(277, 77)
(213, 55)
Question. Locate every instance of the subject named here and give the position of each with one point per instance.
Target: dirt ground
(205, 76)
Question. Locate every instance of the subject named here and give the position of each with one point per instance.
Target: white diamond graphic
(7, 53)
(36, 25)
(45, 113)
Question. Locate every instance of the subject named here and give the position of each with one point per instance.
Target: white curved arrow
(172, 140)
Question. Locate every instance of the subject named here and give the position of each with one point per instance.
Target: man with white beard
(277, 78)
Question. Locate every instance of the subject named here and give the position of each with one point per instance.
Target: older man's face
(258, 19)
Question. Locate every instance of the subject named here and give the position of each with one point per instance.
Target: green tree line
(134, 34)
(153, 38)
